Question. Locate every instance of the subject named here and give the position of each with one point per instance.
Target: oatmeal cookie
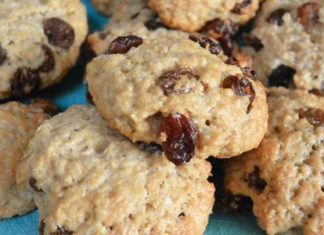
(39, 43)
(145, 88)
(191, 15)
(87, 179)
(284, 175)
(18, 123)
(287, 44)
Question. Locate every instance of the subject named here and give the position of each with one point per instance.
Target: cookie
(176, 91)
(192, 16)
(119, 10)
(43, 46)
(284, 175)
(287, 44)
(90, 180)
(18, 123)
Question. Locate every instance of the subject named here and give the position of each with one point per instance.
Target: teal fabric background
(72, 91)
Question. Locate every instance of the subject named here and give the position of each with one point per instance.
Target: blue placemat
(72, 91)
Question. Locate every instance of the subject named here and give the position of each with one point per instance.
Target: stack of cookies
(169, 88)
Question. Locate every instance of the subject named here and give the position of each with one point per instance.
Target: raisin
(87, 53)
(154, 23)
(223, 31)
(254, 180)
(49, 62)
(41, 227)
(181, 136)
(89, 97)
(317, 92)
(230, 203)
(182, 214)
(123, 44)
(3, 55)
(237, 9)
(276, 17)
(314, 116)
(169, 79)
(207, 43)
(308, 14)
(24, 81)
(44, 104)
(134, 16)
(281, 76)
(252, 41)
(151, 148)
(32, 184)
(231, 61)
(242, 87)
(59, 33)
(61, 230)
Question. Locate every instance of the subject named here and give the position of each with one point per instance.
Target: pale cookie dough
(91, 180)
(191, 15)
(141, 84)
(39, 43)
(18, 123)
(284, 175)
(287, 44)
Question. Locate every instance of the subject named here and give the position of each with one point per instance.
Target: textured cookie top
(88, 179)
(191, 15)
(18, 123)
(40, 41)
(284, 175)
(288, 44)
(140, 83)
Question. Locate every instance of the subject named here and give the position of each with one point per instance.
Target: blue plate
(72, 91)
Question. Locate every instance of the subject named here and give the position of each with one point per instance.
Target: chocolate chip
(41, 227)
(254, 180)
(223, 31)
(230, 203)
(44, 104)
(314, 116)
(151, 148)
(169, 79)
(237, 9)
(59, 33)
(242, 87)
(252, 41)
(154, 23)
(207, 43)
(308, 14)
(32, 184)
(3, 55)
(281, 76)
(24, 81)
(49, 61)
(276, 17)
(181, 136)
(61, 230)
(123, 44)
